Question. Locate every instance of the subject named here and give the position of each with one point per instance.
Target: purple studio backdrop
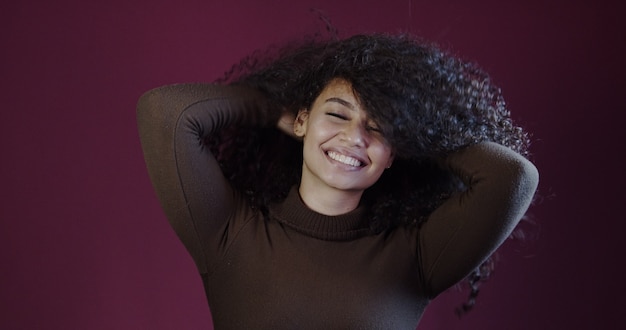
(85, 245)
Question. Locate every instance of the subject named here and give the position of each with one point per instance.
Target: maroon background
(84, 244)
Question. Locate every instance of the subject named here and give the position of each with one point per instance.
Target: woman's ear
(390, 161)
(300, 124)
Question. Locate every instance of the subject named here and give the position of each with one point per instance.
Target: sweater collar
(293, 213)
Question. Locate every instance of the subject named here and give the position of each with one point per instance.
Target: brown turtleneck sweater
(299, 269)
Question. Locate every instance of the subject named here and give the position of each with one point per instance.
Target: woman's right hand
(285, 124)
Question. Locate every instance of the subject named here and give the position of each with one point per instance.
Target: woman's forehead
(340, 91)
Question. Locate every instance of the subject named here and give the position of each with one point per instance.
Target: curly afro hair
(427, 103)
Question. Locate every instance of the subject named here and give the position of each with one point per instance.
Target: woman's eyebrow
(342, 102)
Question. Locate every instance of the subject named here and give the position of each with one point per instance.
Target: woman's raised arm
(464, 231)
(173, 122)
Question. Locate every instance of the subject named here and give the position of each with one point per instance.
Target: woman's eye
(337, 115)
(373, 128)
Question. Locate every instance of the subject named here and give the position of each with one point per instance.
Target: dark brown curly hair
(427, 102)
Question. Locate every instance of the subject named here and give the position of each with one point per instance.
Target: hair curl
(427, 103)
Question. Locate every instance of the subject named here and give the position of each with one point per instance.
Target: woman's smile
(343, 159)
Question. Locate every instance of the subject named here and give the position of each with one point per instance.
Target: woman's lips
(348, 160)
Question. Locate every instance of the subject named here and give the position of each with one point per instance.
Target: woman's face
(343, 148)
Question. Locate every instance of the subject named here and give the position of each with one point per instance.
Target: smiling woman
(343, 155)
(395, 172)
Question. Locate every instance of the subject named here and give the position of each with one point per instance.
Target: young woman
(337, 184)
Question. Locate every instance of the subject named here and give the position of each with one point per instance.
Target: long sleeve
(465, 230)
(173, 122)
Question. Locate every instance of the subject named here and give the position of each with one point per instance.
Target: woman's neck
(328, 200)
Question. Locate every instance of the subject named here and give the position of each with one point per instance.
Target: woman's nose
(356, 135)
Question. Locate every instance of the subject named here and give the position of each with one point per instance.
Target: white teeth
(344, 159)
